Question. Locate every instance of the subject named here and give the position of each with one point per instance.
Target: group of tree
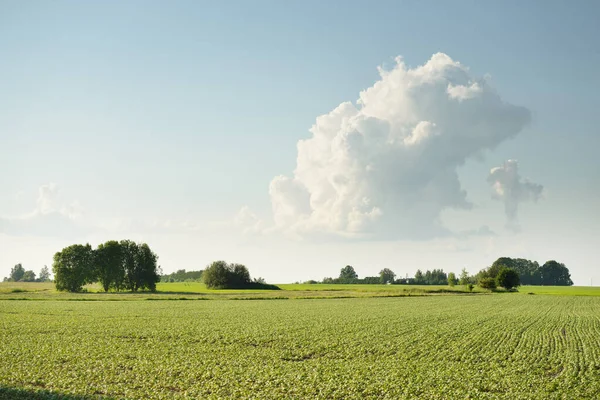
(349, 276)
(434, 277)
(182, 276)
(552, 273)
(19, 274)
(222, 275)
(117, 265)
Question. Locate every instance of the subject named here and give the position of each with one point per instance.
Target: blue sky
(160, 122)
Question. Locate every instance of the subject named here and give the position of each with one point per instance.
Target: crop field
(509, 346)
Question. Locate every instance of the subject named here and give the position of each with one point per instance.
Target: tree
(108, 265)
(452, 279)
(348, 274)
(29, 276)
(216, 275)
(555, 274)
(508, 278)
(140, 270)
(220, 275)
(44, 274)
(147, 268)
(386, 275)
(464, 277)
(131, 273)
(419, 278)
(488, 283)
(16, 273)
(73, 267)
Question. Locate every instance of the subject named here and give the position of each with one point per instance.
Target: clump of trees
(349, 276)
(19, 274)
(116, 265)
(221, 275)
(434, 277)
(182, 276)
(552, 273)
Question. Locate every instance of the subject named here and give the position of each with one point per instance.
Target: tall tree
(464, 277)
(452, 279)
(44, 274)
(73, 267)
(555, 274)
(348, 274)
(147, 269)
(16, 273)
(109, 265)
(419, 278)
(131, 269)
(386, 275)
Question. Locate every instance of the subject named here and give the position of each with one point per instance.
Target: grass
(196, 290)
(427, 347)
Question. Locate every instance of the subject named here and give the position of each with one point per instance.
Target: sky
(299, 137)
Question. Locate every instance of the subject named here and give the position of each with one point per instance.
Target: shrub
(508, 278)
(488, 283)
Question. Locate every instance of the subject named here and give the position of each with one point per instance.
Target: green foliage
(183, 276)
(434, 277)
(450, 347)
(109, 265)
(44, 274)
(118, 265)
(73, 267)
(221, 275)
(16, 273)
(508, 278)
(348, 274)
(386, 275)
(555, 274)
(465, 279)
(551, 273)
(28, 276)
(452, 279)
(488, 283)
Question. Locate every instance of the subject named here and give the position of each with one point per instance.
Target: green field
(196, 290)
(511, 345)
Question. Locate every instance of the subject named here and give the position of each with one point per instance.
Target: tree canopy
(221, 275)
(508, 278)
(348, 274)
(16, 273)
(115, 265)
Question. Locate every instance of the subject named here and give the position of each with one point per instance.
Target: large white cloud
(510, 188)
(387, 166)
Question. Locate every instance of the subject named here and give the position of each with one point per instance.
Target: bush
(221, 275)
(508, 278)
(488, 283)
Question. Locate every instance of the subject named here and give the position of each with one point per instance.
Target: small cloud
(49, 218)
(248, 221)
(510, 188)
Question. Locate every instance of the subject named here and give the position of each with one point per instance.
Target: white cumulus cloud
(387, 165)
(510, 188)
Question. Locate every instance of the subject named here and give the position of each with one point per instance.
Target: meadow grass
(197, 290)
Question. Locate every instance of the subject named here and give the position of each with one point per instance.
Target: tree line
(117, 265)
(182, 275)
(19, 274)
(504, 272)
